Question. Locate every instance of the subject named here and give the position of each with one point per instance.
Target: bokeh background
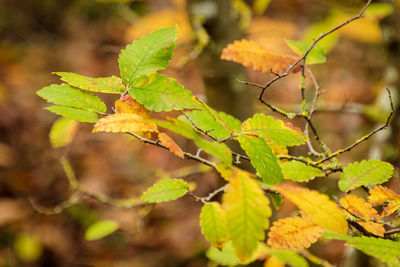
(85, 37)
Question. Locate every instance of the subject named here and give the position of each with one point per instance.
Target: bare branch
(366, 137)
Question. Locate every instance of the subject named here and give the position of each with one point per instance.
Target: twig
(210, 195)
(187, 155)
(364, 138)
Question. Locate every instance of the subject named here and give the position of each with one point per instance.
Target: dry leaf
(251, 54)
(273, 262)
(124, 122)
(360, 208)
(128, 105)
(171, 145)
(380, 194)
(294, 233)
(316, 206)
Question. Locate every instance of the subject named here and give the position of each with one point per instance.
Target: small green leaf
(247, 212)
(277, 199)
(299, 172)
(100, 229)
(74, 113)
(166, 190)
(62, 132)
(225, 257)
(273, 130)
(213, 224)
(108, 85)
(65, 95)
(262, 158)
(149, 54)
(159, 93)
(365, 173)
(316, 56)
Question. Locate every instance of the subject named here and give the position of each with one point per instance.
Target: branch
(187, 154)
(366, 137)
(210, 195)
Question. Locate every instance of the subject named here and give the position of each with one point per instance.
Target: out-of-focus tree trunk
(223, 91)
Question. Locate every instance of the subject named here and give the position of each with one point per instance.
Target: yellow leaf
(128, 105)
(251, 54)
(229, 172)
(316, 206)
(124, 122)
(294, 233)
(171, 145)
(273, 262)
(380, 195)
(161, 19)
(365, 30)
(362, 209)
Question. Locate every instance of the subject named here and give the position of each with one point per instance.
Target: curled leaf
(171, 145)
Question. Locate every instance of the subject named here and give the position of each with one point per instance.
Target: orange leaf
(124, 122)
(380, 194)
(294, 233)
(171, 145)
(128, 105)
(360, 208)
(316, 206)
(251, 54)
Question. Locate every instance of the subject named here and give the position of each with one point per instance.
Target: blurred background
(85, 37)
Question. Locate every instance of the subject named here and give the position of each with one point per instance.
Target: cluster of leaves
(235, 227)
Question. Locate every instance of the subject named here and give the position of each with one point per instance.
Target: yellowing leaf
(316, 206)
(273, 262)
(171, 145)
(124, 122)
(362, 209)
(62, 132)
(380, 195)
(247, 211)
(251, 54)
(364, 30)
(128, 105)
(213, 224)
(294, 233)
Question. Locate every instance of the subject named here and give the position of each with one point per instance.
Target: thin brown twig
(364, 138)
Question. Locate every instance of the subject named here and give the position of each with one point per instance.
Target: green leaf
(184, 128)
(226, 256)
(74, 113)
(205, 121)
(386, 250)
(109, 85)
(65, 95)
(316, 56)
(379, 10)
(291, 258)
(247, 212)
(259, 6)
(365, 173)
(213, 224)
(166, 190)
(274, 130)
(277, 200)
(262, 158)
(62, 132)
(149, 54)
(159, 93)
(299, 172)
(100, 229)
